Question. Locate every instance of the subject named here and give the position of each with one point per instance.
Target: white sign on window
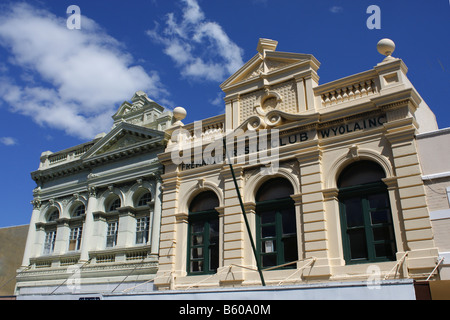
(269, 246)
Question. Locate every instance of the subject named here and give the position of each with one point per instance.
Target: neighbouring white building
(97, 207)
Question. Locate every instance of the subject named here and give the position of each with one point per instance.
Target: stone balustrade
(347, 89)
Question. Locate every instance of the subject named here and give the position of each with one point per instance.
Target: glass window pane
(378, 201)
(354, 212)
(290, 249)
(277, 188)
(140, 237)
(197, 253)
(144, 199)
(268, 231)
(49, 244)
(357, 239)
(204, 201)
(377, 217)
(197, 240)
(269, 260)
(288, 221)
(197, 227)
(214, 257)
(361, 172)
(267, 217)
(53, 216)
(196, 266)
(214, 231)
(384, 249)
(79, 211)
(114, 205)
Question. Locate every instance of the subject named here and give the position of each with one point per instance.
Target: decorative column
(301, 96)
(236, 245)
(87, 241)
(299, 222)
(30, 249)
(315, 237)
(170, 240)
(156, 217)
(330, 197)
(232, 112)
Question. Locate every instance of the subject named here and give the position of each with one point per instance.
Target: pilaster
(156, 221)
(415, 218)
(169, 247)
(315, 236)
(30, 250)
(88, 228)
(235, 238)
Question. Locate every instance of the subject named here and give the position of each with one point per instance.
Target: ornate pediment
(268, 63)
(123, 137)
(142, 110)
(281, 82)
(139, 101)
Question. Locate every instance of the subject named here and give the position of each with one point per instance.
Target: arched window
(365, 212)
(53, 215)
(114, 204)
(144, 199)
(78, 211)
(76, 228)
(276, 228)
(203, 232)
(50, 231)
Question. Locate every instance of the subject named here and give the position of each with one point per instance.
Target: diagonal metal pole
(258, 264)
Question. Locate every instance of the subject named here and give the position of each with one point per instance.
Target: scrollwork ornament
(36, 204)
(92, 191)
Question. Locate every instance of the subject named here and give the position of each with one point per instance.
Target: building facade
(96, 208)
(329, 176)
(434, 155)
(299, 185)
(11, 252)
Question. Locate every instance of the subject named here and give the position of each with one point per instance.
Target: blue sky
(60, 87)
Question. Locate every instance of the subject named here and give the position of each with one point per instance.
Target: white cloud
(200, 48)
(83, 75)
(336, 9)
(8, 141)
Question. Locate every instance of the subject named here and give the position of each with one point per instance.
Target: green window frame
(366, 223)
(276, 232)
(203, 242)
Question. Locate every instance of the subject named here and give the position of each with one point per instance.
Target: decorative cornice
(89, 159)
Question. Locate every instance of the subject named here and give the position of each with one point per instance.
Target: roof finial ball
(179, 113)
(386, 47)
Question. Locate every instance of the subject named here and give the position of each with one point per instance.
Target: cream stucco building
(337, 195)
